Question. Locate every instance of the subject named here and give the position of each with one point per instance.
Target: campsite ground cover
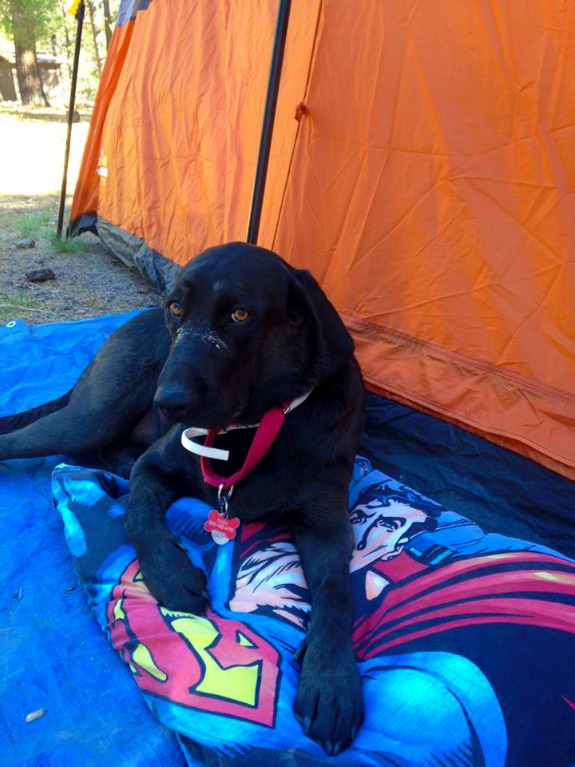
(88, 281)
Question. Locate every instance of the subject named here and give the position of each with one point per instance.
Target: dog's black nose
(173, 402)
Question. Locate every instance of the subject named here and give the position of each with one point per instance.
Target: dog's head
(249, 332)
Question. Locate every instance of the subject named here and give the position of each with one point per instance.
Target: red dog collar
(266, 432)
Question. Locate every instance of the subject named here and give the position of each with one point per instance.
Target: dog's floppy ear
(333, 344)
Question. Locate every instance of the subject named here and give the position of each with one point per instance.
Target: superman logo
(204, 662)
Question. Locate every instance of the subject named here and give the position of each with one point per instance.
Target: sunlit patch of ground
(32, 154)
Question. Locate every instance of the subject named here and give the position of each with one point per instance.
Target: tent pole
(79, 14)
(268, 123)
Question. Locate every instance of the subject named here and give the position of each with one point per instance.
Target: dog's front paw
(171, 578)
(329, 701)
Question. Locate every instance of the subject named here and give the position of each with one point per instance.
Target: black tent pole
(80, 23)
(268, 123)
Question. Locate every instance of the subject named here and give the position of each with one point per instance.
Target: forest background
(43, 276)
(32, 31)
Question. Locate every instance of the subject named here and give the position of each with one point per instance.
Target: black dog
(244, 337)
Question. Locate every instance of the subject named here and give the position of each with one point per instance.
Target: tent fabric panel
(180, 171)
(173, 144)
(430, 194)
(514, 413)
(86, 196)
(298, 54)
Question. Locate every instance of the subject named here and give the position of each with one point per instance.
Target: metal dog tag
(223, 529)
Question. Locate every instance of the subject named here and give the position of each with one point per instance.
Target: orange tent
(422, 166)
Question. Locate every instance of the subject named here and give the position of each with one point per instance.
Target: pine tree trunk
(27, 72)
(95, 34)
(107, 23)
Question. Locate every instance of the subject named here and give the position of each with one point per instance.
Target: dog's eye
(175, 308)
(239, 315)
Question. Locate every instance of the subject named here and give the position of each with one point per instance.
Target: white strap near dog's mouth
(217, 454)
(188, 436)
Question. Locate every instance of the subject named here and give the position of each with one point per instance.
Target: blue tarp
(53, 654)
(464, 637)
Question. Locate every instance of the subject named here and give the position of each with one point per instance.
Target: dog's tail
(10, 423)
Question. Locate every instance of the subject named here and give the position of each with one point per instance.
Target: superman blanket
(464, 638)
(451, 626)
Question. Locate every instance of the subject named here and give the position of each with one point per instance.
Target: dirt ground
(88, 281)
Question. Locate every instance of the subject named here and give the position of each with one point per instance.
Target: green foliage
(46, 26)
(76, 245)
(33, 225)
(41, 16)
(13, 305)
(38, 226)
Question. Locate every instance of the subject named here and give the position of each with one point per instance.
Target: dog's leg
(162, 475)
(10, 423)
(110, 398)
(74, 429)
(329, 701)
(97, 415)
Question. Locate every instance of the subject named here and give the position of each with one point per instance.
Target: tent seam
(299, 127)
(396, 335)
